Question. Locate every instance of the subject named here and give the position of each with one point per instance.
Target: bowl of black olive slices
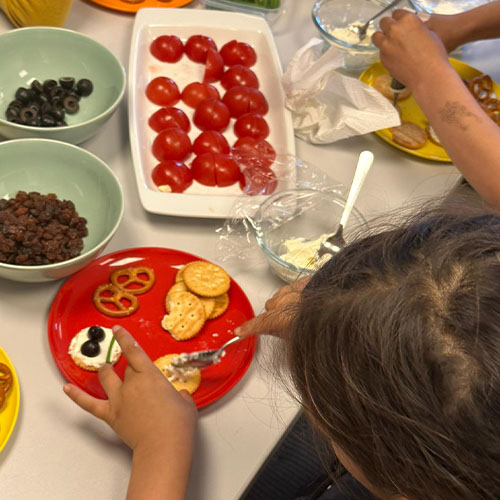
(56, 84)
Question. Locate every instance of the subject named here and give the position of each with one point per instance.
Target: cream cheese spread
(99, 360)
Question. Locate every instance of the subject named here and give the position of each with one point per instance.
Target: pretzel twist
(5, 378)
(132, 275)
(117, 294)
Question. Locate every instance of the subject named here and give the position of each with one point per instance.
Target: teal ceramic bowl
(42, 53)
(71, 173)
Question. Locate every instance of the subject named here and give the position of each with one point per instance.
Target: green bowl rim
(108, 110)
(102, 243)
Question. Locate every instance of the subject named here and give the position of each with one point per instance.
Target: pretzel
(132, 277)
(5, 378)
(117, 294)
(2, 399)
(481, 87)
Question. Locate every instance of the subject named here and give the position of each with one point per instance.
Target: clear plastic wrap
(303, 210)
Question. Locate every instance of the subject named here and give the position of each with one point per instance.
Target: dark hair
(395, 354)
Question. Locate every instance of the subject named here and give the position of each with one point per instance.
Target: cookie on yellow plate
(181, 379)
(206, 279)
(383, 84)
(186, 316)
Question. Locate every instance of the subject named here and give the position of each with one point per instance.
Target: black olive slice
(37, 86)
(22, 95)
(48, 85)
(27, 114)
(84, 87)
(90, 349)
(71, 104)
(58, 114)
(48, 121)
(96, 333)
(66, 82)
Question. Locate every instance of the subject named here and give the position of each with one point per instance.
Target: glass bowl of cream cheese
(290, 225)
(335, 20)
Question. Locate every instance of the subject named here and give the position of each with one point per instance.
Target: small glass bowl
(333, 18)
(446, 6)
(299, 213)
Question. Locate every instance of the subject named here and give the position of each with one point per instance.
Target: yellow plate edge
(430, 151)
(15, 394)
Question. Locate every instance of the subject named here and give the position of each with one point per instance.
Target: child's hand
(275, 319)
(411, 53)
(145, 409)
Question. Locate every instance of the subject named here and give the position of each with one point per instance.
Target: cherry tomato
(167, 48)
(239, 75)
(163, 91)
(241, 100)
(251, 125)
(196, 92)
(258, 180)
(197, 46)
(215, 169)
(250, 152)
(210, 141)
(172, 144)
(169, 118)
(235, 52)
(211, 114)
(174, 174)
(214, 66)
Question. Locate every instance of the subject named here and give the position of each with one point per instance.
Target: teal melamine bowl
(41, 53)
(71, 173)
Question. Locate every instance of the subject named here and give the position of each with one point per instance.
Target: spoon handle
(365, 161)
(385, 9)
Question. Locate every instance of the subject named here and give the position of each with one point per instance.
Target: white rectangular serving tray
(199, 200)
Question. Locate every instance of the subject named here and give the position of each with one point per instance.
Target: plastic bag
(255, 218)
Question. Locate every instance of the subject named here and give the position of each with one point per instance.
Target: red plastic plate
(73, 309)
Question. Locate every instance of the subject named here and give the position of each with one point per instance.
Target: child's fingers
(96, 407)
(134, 353)
(109, 380)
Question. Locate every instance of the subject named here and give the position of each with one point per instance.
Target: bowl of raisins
(59, 207)
(56, 84)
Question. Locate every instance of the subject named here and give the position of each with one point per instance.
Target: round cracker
(180, 286)
(186, 317)
(193, 379)
(206, 279)
(383, 84)
(178, 276)
(221, 304)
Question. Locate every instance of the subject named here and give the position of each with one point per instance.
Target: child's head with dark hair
(395, 353)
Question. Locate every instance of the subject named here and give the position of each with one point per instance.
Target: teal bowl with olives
(59, 207)
(56, 84)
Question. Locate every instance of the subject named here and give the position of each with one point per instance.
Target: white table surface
(57, 451)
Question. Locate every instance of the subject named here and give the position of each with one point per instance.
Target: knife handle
(397, 88)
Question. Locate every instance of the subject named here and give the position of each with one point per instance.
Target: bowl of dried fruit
(59, 207)
(56, 84)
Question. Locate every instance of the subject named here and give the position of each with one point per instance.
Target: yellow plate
(410, 111)
(10, 409)
(125, 6)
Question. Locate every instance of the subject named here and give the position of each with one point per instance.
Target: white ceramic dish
(199, 200)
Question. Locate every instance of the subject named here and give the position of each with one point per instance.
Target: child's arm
(416, 57)
(151, 417)
(480, 23)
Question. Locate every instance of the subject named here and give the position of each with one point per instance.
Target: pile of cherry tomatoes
(216, 163)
